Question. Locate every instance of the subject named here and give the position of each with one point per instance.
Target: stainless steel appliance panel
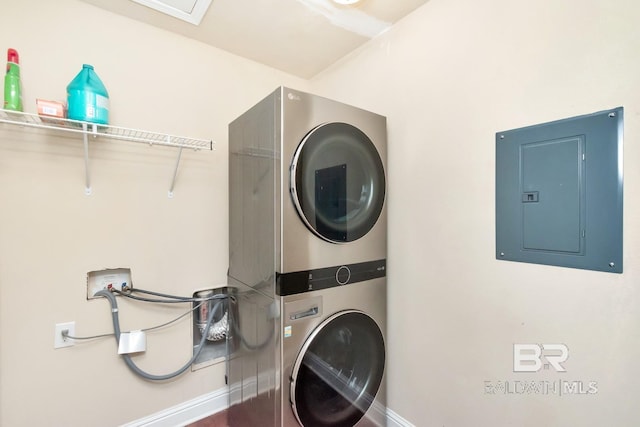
(254, 181)
(254, 366)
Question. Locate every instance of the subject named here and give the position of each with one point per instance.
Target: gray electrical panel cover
(559, 192)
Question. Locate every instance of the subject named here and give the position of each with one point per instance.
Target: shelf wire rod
(85, 137)
(175, 169)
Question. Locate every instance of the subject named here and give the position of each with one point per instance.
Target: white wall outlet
(113, 278)
(58, 340)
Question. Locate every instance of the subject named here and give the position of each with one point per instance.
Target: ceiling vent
(191, 11)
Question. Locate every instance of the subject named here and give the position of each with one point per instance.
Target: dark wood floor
(221, 420)
(215, 420)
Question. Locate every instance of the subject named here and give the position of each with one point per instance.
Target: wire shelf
(107, 131)
(112, 132)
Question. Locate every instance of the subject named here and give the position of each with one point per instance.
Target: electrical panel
(559, 192)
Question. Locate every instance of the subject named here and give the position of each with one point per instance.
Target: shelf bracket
(175, 169)
(87, 173)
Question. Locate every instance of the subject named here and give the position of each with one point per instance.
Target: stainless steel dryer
(307, 263)
(308, 175)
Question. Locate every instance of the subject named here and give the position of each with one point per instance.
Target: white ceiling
(301, 37)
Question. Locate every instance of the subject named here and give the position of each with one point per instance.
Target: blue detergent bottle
(87, 98)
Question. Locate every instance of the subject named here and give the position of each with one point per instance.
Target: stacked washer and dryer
(307, 264)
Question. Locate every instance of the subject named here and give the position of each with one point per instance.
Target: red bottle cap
(12, 56)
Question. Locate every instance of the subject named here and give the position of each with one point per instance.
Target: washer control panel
(323, 278)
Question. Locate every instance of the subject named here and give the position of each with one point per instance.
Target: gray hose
(130, 363)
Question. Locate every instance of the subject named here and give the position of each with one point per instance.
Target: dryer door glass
(338, 372)
(337, 182)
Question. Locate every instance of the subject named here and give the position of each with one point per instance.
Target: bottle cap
(12, 56)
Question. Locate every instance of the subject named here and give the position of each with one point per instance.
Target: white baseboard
(395, 420)
(187, 412)
(211, 403)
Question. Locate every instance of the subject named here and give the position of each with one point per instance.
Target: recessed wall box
(559, 192)
(108, 279)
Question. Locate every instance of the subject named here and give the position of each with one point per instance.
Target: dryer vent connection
(218, 330)
(215, 349)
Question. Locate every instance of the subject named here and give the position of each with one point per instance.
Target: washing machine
(307, 263)
(333, 356)
(313, 359)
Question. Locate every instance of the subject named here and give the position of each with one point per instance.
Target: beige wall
(448, 77)
(51, 234)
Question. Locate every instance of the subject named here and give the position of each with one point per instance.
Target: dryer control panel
(322, 278)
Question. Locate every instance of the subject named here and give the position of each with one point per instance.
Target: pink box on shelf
(51, 108)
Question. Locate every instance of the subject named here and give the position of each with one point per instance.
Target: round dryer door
(337, 182)
(338, 371)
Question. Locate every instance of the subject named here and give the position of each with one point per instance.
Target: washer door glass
(337, 182)
(338, 372)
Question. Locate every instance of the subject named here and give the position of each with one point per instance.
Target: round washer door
(338, 372)
(337, 182)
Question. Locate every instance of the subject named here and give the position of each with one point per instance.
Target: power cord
(65, 332)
